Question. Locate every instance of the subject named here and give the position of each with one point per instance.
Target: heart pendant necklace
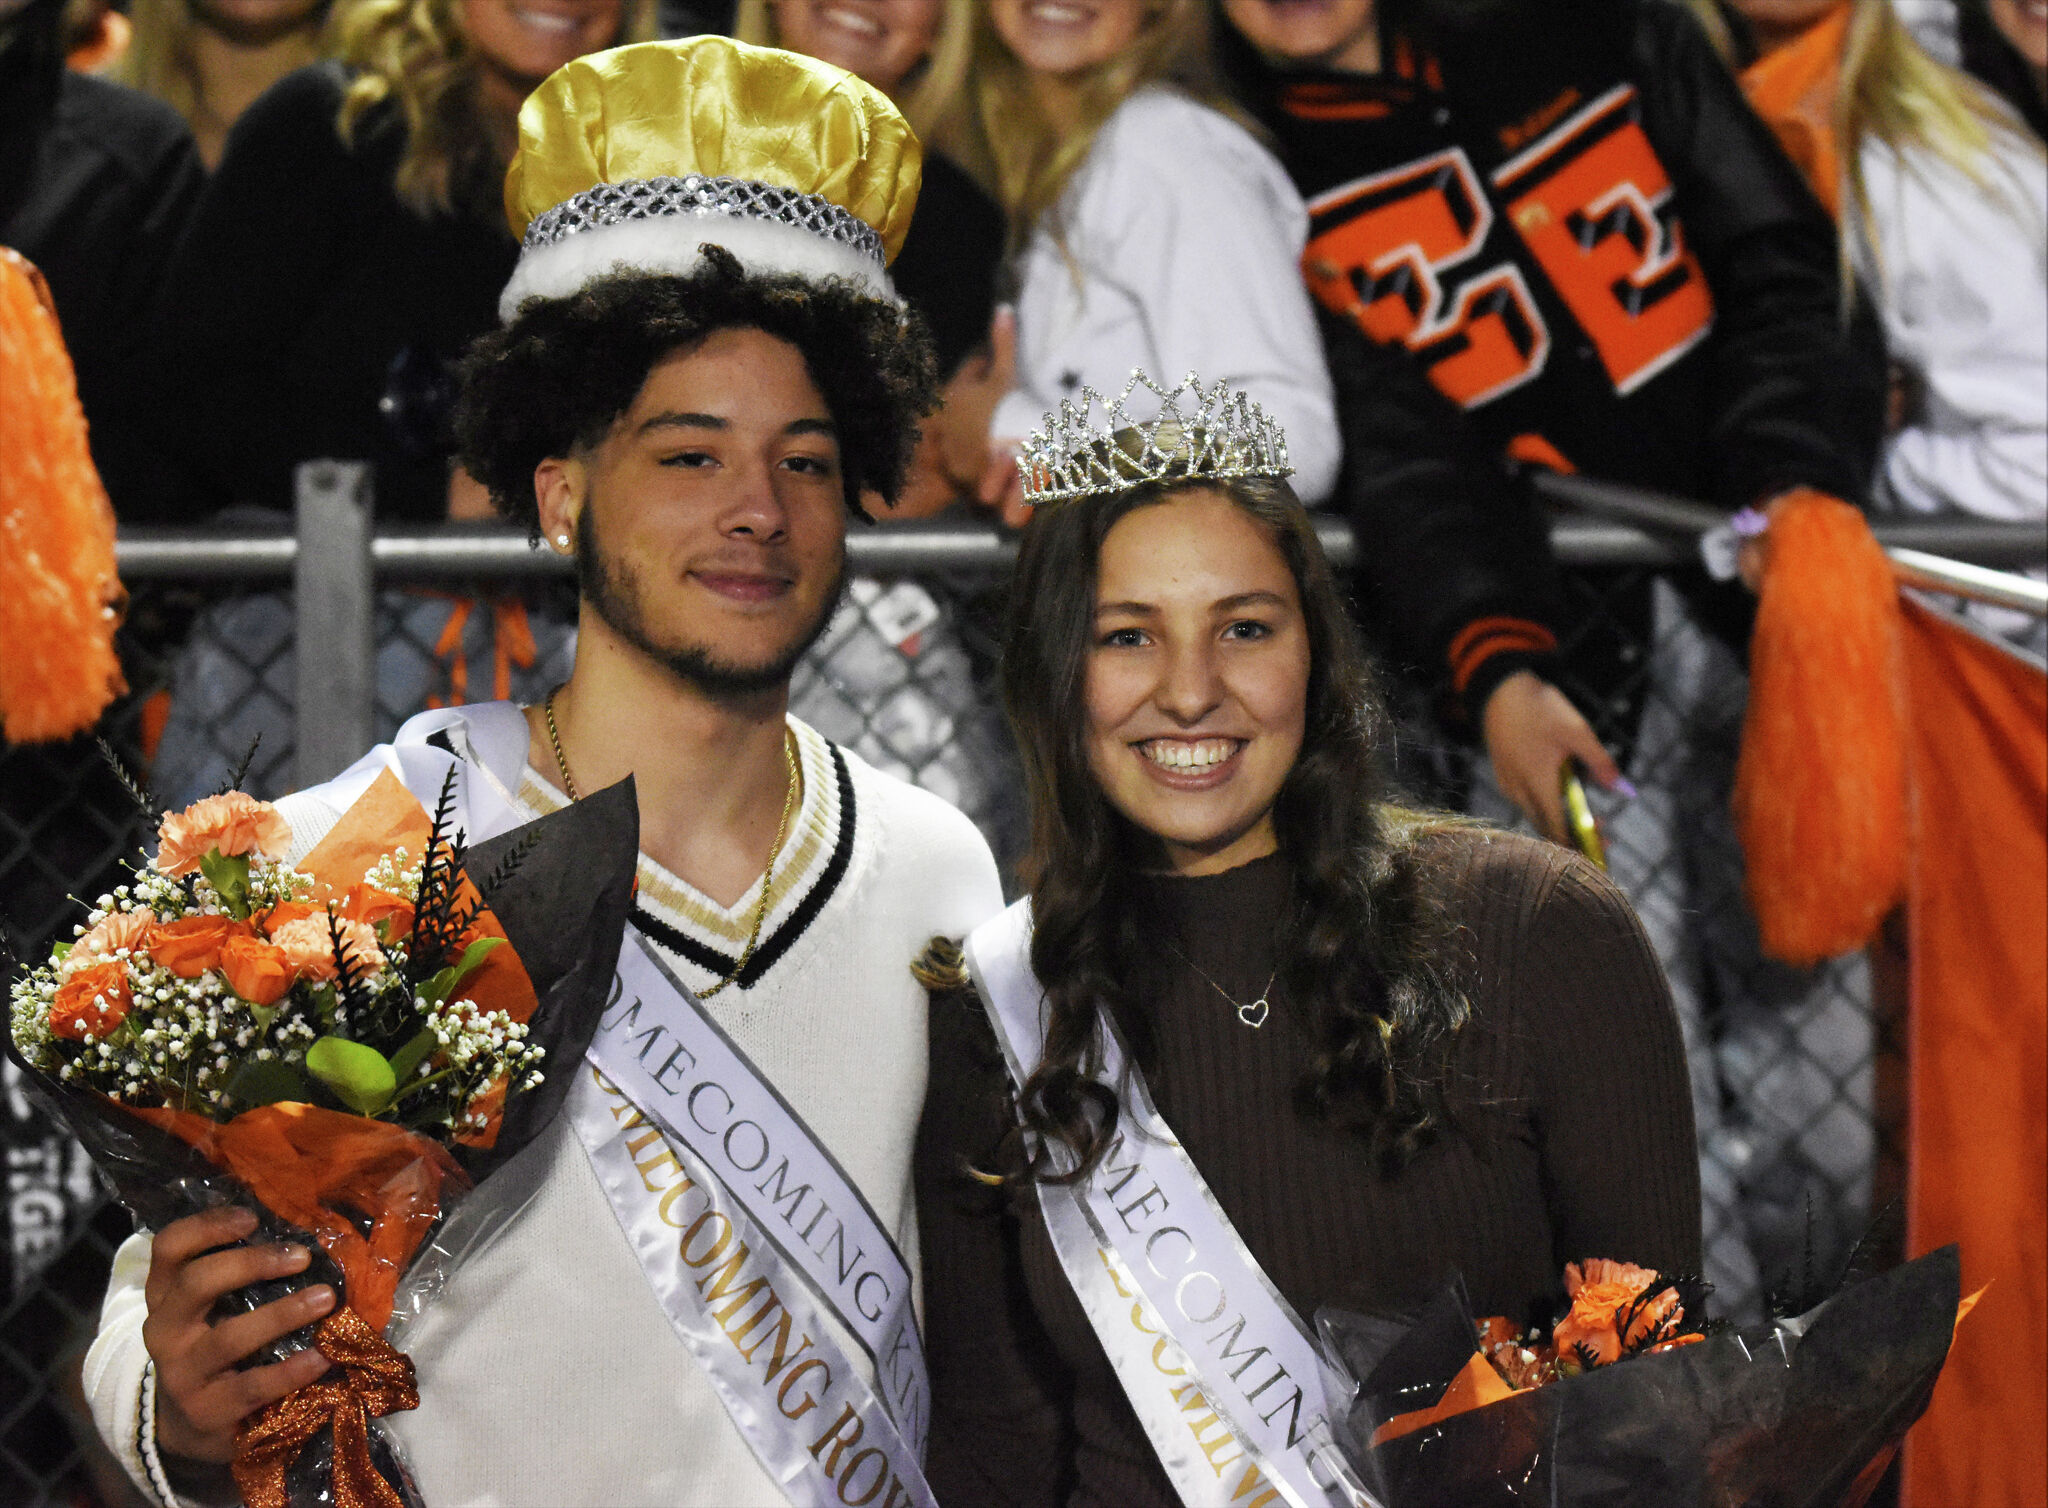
(1252, 1013)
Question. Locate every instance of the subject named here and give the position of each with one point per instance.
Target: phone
(1578, 815)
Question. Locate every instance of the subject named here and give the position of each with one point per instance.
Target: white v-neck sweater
(548, 1373)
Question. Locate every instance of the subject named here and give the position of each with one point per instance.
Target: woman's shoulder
(1167, 131)
(297, 119)
(304, 97)
(1510, 892)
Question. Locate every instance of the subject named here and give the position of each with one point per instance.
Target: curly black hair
(559, 376)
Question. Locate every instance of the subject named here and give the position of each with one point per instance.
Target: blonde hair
(1890, 89)
(159, 59)
(415, 54)
(936, 88)
(1023, 160)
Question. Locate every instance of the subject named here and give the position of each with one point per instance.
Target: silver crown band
(1199, 432)
(655, 198)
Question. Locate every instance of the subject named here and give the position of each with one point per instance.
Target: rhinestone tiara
(1198, 432)
(654, 198)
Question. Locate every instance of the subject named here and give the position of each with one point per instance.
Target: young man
(1553, 234)
(702, 373)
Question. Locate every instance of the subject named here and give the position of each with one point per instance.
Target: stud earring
(562, 542)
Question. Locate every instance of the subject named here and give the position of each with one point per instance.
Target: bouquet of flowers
(1632, 1402)
(347, 1044)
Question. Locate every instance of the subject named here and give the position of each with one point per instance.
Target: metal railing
(335, 559)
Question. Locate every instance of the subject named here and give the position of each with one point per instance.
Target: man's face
(710, 521)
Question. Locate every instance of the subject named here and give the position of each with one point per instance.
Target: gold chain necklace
(774, 852)
(1252, 1013)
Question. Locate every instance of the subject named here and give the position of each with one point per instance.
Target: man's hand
(1530, 730)
(201, 1396)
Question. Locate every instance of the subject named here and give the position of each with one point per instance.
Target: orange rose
(191, 946)
(283, 912)
(308, 944)
(121, 929)
(234, 823)
(1605, 1316)
(92, 1001)
(256, 970)
(368, 904)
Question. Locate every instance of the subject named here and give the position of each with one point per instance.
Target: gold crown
(1199, 432)
(636, 156)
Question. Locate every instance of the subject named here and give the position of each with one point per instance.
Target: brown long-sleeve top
(1574, 1138)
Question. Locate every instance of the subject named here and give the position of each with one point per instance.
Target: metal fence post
(335, 593)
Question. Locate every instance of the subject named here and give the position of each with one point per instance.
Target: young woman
(1154, 230)
(352, 244)
(917, 53)
(210, 59)
(1394, 1046)
(1942, 195)
(348, 249)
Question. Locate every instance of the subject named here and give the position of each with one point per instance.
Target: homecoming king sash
(763, 1253)
(1228, 1383)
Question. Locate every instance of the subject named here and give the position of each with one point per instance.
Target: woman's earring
(562, 543)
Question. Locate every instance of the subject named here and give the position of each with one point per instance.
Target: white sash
(1227, 1381)
(779, 1254)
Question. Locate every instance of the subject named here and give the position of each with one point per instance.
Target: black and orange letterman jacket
(1555, 235)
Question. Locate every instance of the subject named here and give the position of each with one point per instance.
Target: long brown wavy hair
(1367, 951)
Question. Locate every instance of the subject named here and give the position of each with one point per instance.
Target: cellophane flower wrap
(1630, 1401)
(347, 1045)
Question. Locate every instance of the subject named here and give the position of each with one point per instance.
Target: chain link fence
(1794, 1073)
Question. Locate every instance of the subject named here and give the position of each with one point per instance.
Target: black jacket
(311, 314)
(1567, 218)
(96, 183)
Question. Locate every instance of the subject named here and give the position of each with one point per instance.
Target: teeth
(1179, 754)
(849, 20)
(545, 21)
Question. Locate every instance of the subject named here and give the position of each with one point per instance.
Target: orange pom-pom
(57, 614)
(1820, 786)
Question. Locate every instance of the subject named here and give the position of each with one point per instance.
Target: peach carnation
(234, 823)
(120, 929)
(308, 945)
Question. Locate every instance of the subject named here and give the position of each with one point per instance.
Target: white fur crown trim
(670, 243)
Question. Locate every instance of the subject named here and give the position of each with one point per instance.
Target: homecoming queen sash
(768, 1261)
(1228, 1383)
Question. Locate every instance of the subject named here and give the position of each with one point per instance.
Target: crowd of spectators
(1726, 249)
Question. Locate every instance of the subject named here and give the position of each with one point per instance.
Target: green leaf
(360, 1076)
(60, 950)
(408, 1058)
(231, 878)
(265, 1083)
(443, 984)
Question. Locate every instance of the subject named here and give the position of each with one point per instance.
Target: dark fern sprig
(239, 776)
(349, 972)
(438, 924)
(508, 865)
(1655, 1332)
(138, 790)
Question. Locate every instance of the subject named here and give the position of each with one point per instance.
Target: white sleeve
(1186, 235)
(1962, 274)
(120, 1380)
